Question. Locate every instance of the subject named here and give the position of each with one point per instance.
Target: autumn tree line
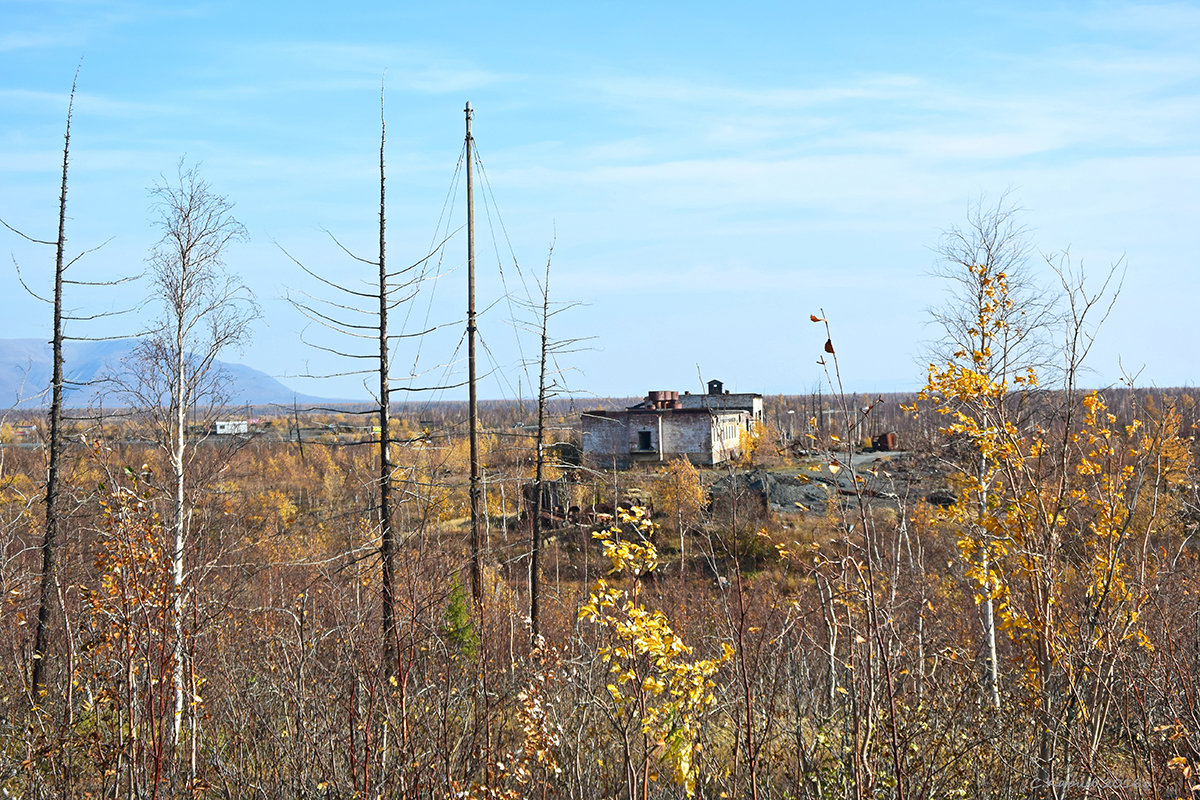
(281, 619)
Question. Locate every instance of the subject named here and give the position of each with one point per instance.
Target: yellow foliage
(1045, 519)
(681, 495)
(656, 687)
(749, 442)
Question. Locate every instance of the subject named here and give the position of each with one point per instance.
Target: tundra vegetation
(1031, 628)
(703, 648)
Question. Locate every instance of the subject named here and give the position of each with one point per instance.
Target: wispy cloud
(1170, 20)
(677, 91)
(326, 66)
(31, 41)
(684, 169)
(31, 98)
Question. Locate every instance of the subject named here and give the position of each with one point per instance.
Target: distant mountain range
(25, 367)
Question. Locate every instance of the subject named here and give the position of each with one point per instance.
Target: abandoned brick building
(704, 428)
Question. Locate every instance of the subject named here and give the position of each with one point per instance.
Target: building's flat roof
(608, 413)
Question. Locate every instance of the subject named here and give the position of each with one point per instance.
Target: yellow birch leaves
(652, 684)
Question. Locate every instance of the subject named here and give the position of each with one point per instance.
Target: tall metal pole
(476, 573)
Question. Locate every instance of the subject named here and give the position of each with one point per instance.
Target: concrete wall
(687, 434)
(605, 438)
(727, 434)
(753, 403)
(627, 437)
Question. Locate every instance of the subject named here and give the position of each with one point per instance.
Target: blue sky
(709, 175)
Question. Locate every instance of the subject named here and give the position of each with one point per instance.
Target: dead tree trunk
(363, 318)
(535, 581)
(48, 589)
(387, 536)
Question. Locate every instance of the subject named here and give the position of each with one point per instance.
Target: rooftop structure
(706, 429)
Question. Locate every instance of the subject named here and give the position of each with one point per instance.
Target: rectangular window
(643, 440)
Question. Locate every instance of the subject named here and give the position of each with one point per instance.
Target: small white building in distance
(706, 429)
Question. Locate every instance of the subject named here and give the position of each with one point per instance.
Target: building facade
(666, 426)
(717, 399)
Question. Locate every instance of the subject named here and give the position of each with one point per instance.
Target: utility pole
(473, 410)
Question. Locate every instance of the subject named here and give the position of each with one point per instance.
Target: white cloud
(331, 66)
(1179, 21)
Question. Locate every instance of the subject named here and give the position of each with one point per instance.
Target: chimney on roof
(663, 399)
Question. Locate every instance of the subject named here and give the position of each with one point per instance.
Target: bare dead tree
(48, 590)
(387, 536)
(540, 468)
(549, 387)
(350, 317)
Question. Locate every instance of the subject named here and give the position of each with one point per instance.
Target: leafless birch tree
(203, 311)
